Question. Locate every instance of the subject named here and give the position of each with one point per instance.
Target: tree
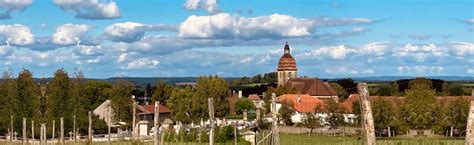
(383, 113)
(285, 112)
(244, 104)
(456, 113)
(27, 94)
(420, 110)
(210, 87)
(180, 103)
(120, 94)
(162, 91)
(81, 102)
(311, 121)
(356, 110)
(335, 113)
(456, 91)
(60, 102)
(348, 84)
(385, 91)
(8, 101)
(339, 90)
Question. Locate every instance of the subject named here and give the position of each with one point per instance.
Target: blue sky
(151, 38)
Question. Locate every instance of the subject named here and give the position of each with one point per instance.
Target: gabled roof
(302, 103)
(311, 86)
(150, 109)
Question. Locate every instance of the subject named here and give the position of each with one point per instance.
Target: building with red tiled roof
(313, 87)
(301, 103)
(147, 112)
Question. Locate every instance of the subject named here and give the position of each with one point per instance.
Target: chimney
(240, 94)
(298, 98)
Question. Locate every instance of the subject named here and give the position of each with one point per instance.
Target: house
(256, 100)
(313, 87)
(147, 112)
(302, 103)
(102, 109)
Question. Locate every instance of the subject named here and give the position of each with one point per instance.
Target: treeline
(268, 78)
(64, 97)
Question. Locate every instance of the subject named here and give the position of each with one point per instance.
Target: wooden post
(108, 124)
(235, 134)
(52, 138)
(11, 129)
(134, 121)
(33, 131)
(90, 128)
(23, 141)
(211, 120)
(61, 135)
(275, 131)
(368, 121)
(74, 127)
(43, 134)
(470, 121)
(156, 125)
(389, 132)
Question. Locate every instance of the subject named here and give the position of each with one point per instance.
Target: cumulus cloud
(462, 49)
(16, 34)
(339, 52)
(90, 9)
(276, 26)
(348, 70)
(420, 69)
(9, 6)
(132, 31)
(69, 34)
(470, 71)
(209, 5)
(143, 63)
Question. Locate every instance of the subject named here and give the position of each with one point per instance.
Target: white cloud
(69, 34)
(339, 52)
(420, 69)
(470, 71)
(209, 5)
(90, 9)
(348, 70)
(143, 63)
(8, 6)
(463, 49)
(275, 26)
(132, 31)
(17, 34)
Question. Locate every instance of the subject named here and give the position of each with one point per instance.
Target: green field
(300, 139)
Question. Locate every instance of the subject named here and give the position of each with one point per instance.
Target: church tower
(286, 66)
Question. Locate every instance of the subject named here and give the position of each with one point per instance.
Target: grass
(304, 139)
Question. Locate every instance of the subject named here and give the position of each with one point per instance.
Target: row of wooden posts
(156, 135)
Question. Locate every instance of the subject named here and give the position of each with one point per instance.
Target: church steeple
(286, 66)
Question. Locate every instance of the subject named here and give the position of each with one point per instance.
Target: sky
(230, 38)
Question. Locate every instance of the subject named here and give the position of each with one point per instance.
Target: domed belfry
(286, 66)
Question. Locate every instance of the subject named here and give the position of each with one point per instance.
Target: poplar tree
(210, 87)
(120, 96)
(59, 101)
(8, 101)
(162, 91)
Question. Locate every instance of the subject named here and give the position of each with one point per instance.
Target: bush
(225, 133)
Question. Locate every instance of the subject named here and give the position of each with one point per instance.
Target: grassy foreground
(304, 139)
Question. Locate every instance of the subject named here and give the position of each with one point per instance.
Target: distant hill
(142, 81)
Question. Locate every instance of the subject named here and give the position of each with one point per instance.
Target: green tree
(385, 91)
(456, 113)
(335, 113)
(28, 95)
(420, 109)
(121, 101)
(179, 104)
(244, 104)
(456, 91)
(285, 112)
(96, 92)
(356, 110)
(8, 101)
(81, 102)
(59, 100)
(384, 114)
(162, 91)
(210, 87)
(311, 121)
(341, 93)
